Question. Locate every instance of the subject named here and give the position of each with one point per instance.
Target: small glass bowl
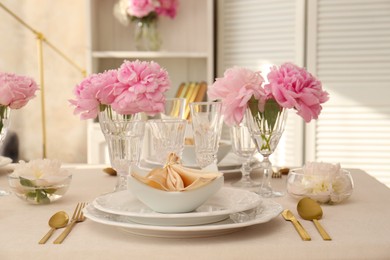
(326, 189)
(39, 191)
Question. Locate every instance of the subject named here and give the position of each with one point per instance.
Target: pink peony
(16, 91)
(167, 8)
(140, 8)
(135, 87)
(294, 87)
(95, 90)
(144, 84)
(235, 89)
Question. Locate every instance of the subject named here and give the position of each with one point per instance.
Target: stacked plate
(227, 211)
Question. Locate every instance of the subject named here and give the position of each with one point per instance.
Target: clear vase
(5, 113)
(124, 136)
(146, 35)
(266, 129)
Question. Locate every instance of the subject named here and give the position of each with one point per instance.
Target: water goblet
(266, 129)
(124, 136)
(5, 113)
(244, 147)
(167, 137)
(206, 126)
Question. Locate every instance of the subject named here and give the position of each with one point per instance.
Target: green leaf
(253, 105)
(271, 112)
(42, 196)
(102, 107)
(50, 191)
(26, 182)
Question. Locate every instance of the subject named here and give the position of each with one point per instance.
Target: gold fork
(78, 216)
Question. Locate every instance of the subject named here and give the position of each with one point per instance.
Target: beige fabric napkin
(175, 177)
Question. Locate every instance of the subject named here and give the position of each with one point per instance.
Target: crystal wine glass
(206, 126)
(124, 135)
(266, 129)
(244, 147)
(167, 137)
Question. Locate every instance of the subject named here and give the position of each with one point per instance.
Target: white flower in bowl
(39, 181)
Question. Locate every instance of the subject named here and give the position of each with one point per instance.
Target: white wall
(63, 24)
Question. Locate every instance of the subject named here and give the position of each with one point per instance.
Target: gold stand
(40, 39)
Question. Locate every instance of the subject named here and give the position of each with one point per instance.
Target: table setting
(169, 208)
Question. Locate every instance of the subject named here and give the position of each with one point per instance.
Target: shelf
(147, 54)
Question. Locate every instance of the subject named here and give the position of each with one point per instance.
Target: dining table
(359, 227)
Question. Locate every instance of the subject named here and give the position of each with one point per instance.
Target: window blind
(256, 34)
(352, 58)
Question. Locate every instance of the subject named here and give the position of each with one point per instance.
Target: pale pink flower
(144, 84)
(294, 87)
(167, 8)
(140, 8)
(95, 90)
(235, 89)
(16, 91)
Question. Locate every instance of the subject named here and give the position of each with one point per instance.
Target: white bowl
(323, 189)
(41, 191)
(189, 157)
(173, 201)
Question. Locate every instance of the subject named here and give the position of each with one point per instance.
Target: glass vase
(124, 136)
(266, 129)
(5, 113)
(146, 35)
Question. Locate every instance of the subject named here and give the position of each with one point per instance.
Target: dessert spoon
(309, 209)
(58, 220)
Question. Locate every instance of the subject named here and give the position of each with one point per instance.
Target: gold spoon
(58, 220)
(110, 171)
(309, 209)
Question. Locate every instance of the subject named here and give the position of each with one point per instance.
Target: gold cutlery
(78, 216)
(309, 209)
(288, 215)
(110, 171)
(58, 220)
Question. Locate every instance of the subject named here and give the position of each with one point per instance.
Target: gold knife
(288, 215)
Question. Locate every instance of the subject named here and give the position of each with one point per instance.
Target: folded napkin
(175, 177)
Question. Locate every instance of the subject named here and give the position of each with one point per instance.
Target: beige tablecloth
(360, 229)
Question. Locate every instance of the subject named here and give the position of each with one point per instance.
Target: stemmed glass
(167, 137)
(266, 130)
(207, 126)
(124, 135)
(173, 110)
(244, 147)
(5, 112)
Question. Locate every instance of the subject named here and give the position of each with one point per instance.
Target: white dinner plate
(267, 211)
(5, 161)
(225, 202)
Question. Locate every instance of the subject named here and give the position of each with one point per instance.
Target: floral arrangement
(40, 181)
(134, 87)
(144, 10)
(15, 92)
(289, 86)
(323, 182)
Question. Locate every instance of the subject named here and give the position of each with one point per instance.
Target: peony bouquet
(144, 10)
(15, 92)
(289, 87)
(135, 87)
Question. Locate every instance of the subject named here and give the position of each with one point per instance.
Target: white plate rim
(261, 218)
(191, 215)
